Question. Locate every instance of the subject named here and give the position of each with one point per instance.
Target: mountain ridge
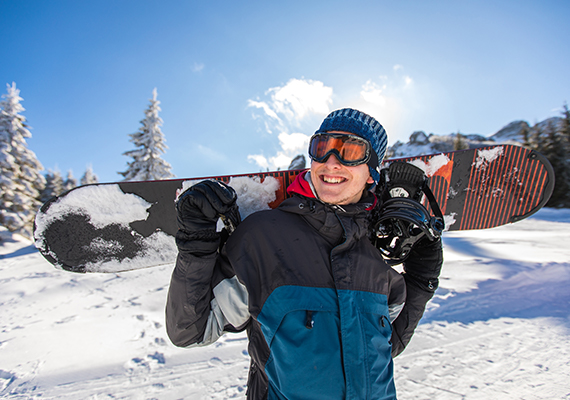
(420, 143)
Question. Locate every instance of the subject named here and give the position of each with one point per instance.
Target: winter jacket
(324, 313)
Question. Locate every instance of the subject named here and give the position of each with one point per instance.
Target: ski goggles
(349, 149)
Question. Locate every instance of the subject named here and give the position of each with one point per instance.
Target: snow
(487, 156)
(434, 164)
(449, 220)
(253, 194)
(113, 205)
(498, 327)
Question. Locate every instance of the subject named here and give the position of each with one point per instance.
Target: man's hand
(424, 263)
(198, 210)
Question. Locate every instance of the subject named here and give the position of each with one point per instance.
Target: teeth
(332, 180)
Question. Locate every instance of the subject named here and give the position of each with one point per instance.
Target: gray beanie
(363, 125)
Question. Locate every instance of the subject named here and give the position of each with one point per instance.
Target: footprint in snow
(216, 362)
(66, 320)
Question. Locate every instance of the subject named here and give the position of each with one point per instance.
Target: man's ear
(370, 179)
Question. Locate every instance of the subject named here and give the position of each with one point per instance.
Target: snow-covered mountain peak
(421, 143)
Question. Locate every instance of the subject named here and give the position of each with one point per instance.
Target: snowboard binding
(401, 220)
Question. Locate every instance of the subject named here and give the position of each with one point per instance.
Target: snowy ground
(499, 327)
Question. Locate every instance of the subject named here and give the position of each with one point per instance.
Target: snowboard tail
(112, 227)
(492, 186)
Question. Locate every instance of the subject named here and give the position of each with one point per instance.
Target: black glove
(401, 179)
(198, 210)
(424, 263)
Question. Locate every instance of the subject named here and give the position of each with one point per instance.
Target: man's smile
(332, 179)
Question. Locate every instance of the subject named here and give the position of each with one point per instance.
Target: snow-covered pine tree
(551, 143)
(562, 171)
(20, 176)
(54, 185)
(149, 140)
(89, 177)
(70, 182)
(565, 131)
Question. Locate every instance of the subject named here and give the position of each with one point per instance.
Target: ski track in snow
(498, 327)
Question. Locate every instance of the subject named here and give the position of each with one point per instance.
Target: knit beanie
(363, 125)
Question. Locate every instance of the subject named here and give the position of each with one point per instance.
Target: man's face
(336, 183)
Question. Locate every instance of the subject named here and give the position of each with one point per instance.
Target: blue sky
(243, 84)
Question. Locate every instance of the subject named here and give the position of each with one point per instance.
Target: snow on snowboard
(112, 227)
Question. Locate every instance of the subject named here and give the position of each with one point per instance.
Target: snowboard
(115, 227)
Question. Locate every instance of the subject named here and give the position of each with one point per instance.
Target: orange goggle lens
(350, 150)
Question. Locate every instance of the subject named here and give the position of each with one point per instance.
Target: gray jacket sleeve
(204, 300)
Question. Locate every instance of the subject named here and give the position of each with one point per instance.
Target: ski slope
(498, 327)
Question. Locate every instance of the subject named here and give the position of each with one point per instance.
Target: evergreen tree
(70, 182)
(561, 192)
(54, 185)
(565, 131)
(89, 177)
(527, 137)
(20, 176)
(459, 143)
(536, 137)
(149, 140)
(550, 141)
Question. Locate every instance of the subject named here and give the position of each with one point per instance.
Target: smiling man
(334, 182)
(324, 312)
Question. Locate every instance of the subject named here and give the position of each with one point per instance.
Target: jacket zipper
(309, 322)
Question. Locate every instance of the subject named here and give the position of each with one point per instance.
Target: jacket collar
(335, 223)
(302, 186)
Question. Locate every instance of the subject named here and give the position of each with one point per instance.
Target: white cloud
(294, 142)
(300, 98)
(265, 107)
(198, 67)
(280, 161)
(291, 145)
(372, 93)
(274, 121)
(394, 101)
(300, 104)
(295, 110)
(259, 160)
(296, 101)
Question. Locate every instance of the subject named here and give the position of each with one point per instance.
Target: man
(323, 311)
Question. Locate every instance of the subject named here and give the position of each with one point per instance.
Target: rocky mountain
(421, 143)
